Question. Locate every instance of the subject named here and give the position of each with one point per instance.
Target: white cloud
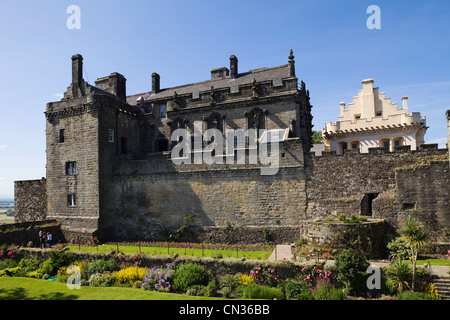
(3, 146)
(58, 95)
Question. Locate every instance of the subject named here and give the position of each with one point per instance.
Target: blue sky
(183, 40)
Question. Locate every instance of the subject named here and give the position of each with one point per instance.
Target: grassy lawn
(433, 262)
(180, 251)
(16, 288)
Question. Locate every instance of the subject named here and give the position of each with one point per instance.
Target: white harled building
(371, 120)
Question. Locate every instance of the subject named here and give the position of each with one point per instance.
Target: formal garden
(163, 270)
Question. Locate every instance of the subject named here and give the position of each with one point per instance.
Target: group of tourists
(45, 239)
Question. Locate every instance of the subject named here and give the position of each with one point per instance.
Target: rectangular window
(386, 146)
(71, 168)
(62, 134)
(357, 117)
(163, 111)
(123, 145)
(71, 200)
(110, 135)
(378, 114)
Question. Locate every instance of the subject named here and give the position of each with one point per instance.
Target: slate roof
(274, 74)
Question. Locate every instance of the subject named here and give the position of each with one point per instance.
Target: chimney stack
(155, 82)
(291, 63)
(233, 66)
(77, 74)
(405, 103)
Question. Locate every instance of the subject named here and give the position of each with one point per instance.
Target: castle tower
(80, 132)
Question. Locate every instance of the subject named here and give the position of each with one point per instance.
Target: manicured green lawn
(17, 288)
(433, 262)
(180, 251)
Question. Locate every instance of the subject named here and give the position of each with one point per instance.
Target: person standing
(49, 239)
(41, 239)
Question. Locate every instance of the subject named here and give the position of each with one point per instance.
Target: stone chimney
(115, 83)
(155, 82)
(368, 99)
(405, 103)
(291, 63)
(77, 75)
(220, 73)
(233, 66)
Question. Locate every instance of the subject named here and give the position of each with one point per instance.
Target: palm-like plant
(399, 276)
(416, 238)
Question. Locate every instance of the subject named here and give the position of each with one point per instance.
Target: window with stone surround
(71, 200)
(62, 135)
(71, 167)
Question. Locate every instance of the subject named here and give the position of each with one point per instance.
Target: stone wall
(422, 191)
(30, 200)
(22, 233)
(152, 196)
(347, 183)
(327, 237)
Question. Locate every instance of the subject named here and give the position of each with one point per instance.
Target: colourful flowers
(158, 279)
(315, 275)
(268, 276)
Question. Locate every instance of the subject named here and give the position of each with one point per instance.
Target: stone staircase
(442, 285)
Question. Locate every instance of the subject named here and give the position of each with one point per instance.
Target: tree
(317, 137)
(416, 238)
(351, 268)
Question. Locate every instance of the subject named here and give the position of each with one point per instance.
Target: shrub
(310, 276)
(57, 260)
(106, 279)
(101, 266)
(430, 290)
(409, 295)
(399, 276)
(245, 280)
(37, 274)
(256, 291)
(269, 277)
(291, 288)
(128, 276)
(399, 249)
(188, 275)
(29, 264)
(324, 290)
(351, 270)
(11, 272)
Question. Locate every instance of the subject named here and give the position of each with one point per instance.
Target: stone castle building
(111, 171)
(371, 120)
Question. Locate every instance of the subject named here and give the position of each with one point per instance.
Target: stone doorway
(366, 204)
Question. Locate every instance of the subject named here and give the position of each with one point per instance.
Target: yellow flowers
(245, 280)
(130, 275)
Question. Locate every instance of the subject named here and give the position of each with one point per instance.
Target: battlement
(432, 148)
